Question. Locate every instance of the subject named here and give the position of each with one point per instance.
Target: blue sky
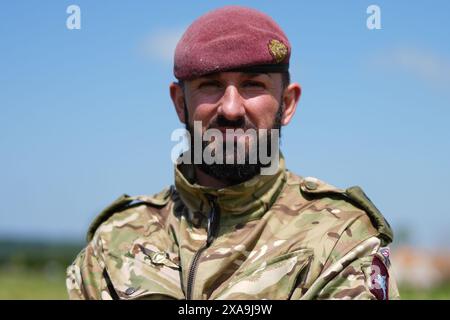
(85, 114)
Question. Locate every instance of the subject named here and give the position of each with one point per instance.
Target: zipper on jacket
(212, 230)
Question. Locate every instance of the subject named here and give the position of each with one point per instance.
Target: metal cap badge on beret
(231, 38)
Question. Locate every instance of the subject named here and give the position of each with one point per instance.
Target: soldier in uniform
(227, 231)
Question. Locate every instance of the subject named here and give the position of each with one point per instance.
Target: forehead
(236, 76)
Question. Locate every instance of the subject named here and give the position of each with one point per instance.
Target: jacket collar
(238, 203)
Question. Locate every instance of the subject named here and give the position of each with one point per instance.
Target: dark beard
(235, 173)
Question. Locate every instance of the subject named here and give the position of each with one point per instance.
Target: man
(230, 230)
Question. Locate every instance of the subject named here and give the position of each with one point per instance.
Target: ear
(177, 95)
(291, 98)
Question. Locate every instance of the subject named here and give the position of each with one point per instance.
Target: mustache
(240, 123)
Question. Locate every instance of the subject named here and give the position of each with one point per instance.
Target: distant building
(420, 268)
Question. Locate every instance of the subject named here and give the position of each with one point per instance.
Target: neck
(206, 180)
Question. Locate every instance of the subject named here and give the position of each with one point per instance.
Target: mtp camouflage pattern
(272, 237)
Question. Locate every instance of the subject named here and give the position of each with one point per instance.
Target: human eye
(210, 84)
(252, 84)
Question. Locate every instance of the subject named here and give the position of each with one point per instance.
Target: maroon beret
(231, 38)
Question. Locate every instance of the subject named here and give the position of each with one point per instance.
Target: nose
(231, 105)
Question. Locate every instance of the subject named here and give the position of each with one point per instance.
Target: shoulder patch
(124, 202)
(357, 197)
(379, 279)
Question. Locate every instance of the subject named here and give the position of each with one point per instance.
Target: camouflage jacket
(272, 237)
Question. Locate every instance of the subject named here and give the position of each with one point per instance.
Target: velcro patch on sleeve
(379, 279)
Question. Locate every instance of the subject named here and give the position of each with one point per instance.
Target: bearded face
(236, 151)
(234, 121)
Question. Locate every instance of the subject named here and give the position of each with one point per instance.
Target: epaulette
(124, 202)
(357, 197)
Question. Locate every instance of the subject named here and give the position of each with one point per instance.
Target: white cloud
(423, 64)
(160, 44)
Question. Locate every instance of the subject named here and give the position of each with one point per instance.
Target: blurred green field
(441, 292)
(32, 285)
(34, 269)
(43, 286)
